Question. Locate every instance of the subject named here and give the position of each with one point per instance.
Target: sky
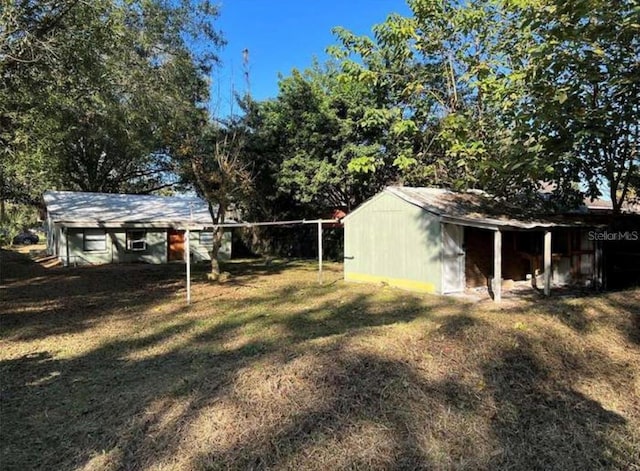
(284, 34)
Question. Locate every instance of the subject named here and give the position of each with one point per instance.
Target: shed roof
(479, 209)
(597, 204)
(113, 209)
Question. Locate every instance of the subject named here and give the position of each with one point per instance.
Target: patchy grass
(106, 368)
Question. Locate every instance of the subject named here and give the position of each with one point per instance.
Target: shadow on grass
(585, 311)
(39, 302)
(387, 397)
(122, 406)
(596, 310)
(15, 266)
(630, 306)
(57, 413)
(246, 271)
(543, 423)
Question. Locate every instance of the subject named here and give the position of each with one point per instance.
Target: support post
(547, 263)
(188, 262)
(598, 268)
(65, 231)
(320, 251)
(497, 266)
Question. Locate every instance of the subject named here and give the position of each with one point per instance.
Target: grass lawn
(106, 368)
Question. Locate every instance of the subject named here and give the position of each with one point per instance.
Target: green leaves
(362, 164)
(580, 95)
(101, 89)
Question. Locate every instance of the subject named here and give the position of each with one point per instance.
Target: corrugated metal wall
(389, 240)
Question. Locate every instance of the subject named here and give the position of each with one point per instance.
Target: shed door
(176, 245)
(452, 259)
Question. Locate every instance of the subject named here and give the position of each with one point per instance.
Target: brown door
(176, 245)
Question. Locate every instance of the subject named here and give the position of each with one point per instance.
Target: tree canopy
(91, 93)
(505, 96)
(501, 95)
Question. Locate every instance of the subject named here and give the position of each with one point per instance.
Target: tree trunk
(218, 217)
(218, 235)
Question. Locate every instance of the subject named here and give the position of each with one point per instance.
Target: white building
(97, 228)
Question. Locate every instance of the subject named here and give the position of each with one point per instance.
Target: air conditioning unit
(137, 245)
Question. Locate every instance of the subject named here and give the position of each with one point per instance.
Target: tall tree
(304, 141)
(448, 88)
(213, 161)
(583, 89)
(90, 91)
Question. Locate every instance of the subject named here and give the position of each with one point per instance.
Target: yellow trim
(411, 285)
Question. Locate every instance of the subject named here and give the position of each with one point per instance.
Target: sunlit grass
(107, 368)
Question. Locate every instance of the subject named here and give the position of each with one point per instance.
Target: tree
(91, 91)
(583, 89)
(29, 39)
(303, 141)
(448, 89)
(212, 161)
(422, 103)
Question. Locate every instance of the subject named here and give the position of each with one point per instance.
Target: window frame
(130, 240)
(208, 242)
(94, 236)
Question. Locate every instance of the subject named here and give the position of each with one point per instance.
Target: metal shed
(439, 241)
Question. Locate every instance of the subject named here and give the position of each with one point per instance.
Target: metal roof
(110, 208)
(477, 208)
(597, 204)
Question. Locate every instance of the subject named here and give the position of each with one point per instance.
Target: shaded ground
(106, 368)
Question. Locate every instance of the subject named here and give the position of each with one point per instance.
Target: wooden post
(547, 263)
(497, 266)
(320, 252)
(598, 267)
(188, 262)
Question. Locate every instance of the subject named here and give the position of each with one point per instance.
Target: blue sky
(285, 34)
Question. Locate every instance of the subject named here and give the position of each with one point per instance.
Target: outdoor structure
(439, 241)
(96, 228)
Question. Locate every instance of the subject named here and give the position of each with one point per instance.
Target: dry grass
(105, 368)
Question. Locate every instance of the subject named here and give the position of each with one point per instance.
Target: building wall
(395, 242)
(573, 261)
(478, 245)
(200, 252)
(516, 263)
(115, 250)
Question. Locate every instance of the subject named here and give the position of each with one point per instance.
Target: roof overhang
(488, 223)
(195, 225)
(498, 225)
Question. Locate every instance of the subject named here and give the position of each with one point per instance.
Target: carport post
(497, 266)
(547, 263)
(188, 260)
(188, 253)
(320, 251)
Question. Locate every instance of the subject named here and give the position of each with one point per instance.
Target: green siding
(116, 248)
(392, 240)
(200, 253)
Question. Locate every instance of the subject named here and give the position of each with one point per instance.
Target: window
(94, 240)
(206, 239)
(136, 241)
